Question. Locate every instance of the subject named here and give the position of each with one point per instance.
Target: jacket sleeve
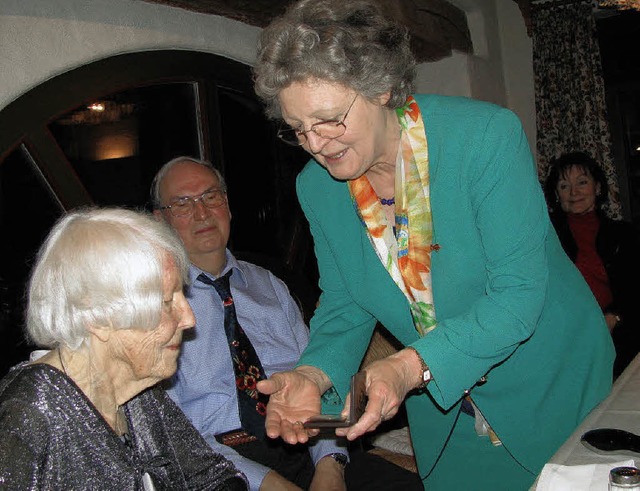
(201, 467)
(23, 447)
(340, 328)
(510, 216)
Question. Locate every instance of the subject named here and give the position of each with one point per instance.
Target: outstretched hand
(294, 398)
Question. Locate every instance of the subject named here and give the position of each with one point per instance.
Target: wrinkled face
(153, 354)
(364, 142)
(206, 230)
(577, 191)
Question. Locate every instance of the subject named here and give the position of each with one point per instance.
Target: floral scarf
(406, 254)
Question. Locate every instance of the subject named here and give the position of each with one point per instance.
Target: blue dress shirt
(204, 385)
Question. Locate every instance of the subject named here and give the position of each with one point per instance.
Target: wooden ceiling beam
(437, 27)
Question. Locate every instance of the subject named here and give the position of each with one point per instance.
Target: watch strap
(426, 372)
(340, 458)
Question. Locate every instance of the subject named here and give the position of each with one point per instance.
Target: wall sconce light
(96, 106)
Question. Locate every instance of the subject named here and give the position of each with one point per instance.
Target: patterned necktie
(246, 364)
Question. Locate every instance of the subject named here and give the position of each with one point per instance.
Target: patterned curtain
(569, 88)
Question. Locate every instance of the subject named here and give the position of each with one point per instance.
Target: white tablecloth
(620, 410)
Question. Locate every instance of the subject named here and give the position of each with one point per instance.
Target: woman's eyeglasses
(325, 129)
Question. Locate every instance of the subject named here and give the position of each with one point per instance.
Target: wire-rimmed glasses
(184, 206)
(329, 129)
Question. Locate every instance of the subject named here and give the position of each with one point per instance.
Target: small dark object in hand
(605, 440)
(357, 404)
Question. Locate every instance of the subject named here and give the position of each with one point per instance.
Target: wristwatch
(340, 458)
(426, 373)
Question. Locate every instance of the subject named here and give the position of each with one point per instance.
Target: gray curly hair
(346, 42)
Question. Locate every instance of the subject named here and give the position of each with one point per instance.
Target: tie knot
(221, 284)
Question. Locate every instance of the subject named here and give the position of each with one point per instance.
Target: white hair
(100, 267)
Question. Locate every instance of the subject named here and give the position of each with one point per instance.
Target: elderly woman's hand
(294, 398)
(387, 383)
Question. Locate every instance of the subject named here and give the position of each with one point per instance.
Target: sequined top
(52, 437)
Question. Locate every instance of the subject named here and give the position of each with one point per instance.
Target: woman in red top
(605, 251)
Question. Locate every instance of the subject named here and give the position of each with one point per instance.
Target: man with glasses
(191, 196)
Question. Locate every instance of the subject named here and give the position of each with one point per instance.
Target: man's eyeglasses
(183, 207)
(325, 129)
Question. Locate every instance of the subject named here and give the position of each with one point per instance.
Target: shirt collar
(231, 263)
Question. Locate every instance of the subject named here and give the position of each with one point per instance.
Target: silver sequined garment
(53, 438)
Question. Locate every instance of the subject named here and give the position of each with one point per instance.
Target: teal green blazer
(510, 305)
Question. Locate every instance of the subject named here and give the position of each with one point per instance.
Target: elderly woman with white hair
(106, 297)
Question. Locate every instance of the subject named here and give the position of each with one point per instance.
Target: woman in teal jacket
(427, 216)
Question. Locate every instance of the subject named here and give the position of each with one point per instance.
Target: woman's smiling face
(577, 191)
(364, 141)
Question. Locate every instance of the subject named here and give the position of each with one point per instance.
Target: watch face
(426, 376)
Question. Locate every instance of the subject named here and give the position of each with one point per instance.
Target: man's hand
(329, 476)
(275, 482)
(294, 398)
